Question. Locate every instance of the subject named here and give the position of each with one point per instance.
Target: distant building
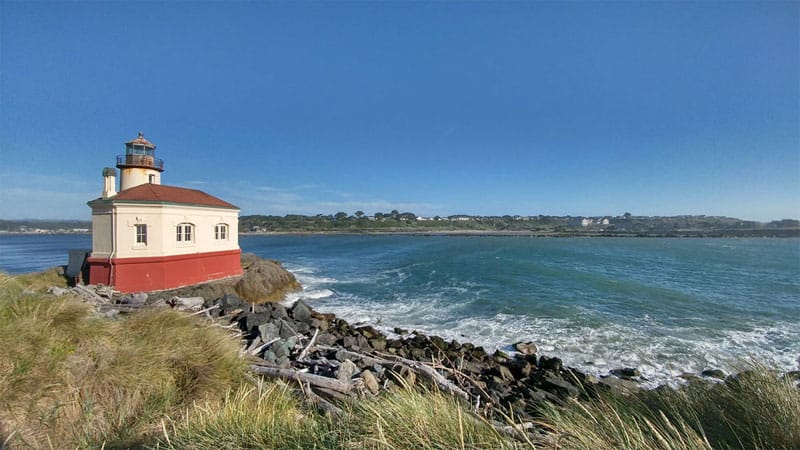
(149, 236)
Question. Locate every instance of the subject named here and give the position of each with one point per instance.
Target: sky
(437, 108)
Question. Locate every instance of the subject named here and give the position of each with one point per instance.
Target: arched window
(184, 232)
(221, 232)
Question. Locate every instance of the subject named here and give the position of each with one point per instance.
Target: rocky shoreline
(343, 360)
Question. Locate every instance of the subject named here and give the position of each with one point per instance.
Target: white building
(149, 236)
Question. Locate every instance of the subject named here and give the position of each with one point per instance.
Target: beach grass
(755, 409)
(70, 378)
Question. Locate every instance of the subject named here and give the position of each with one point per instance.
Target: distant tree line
(625, 224)
(622, 225)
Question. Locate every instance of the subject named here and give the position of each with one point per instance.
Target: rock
(346, 371)
(526, 348)
(190, 303)
(57, 291)
(400, 331)
(627, 372)
(350, 342)
(560, 386)
(280, 348)
(500, 357)
(268, 331)
(159, 303)
(505, 374)
(370, 382)
(264, 280)
(549, 363)
(713, 373)
(620, 385)
(326, 339)
(368, 332)
(319, 324)
(438, 342)
(286, 329)
(538, 395)
(269, 355)
(301, 312)
(136, 299)
(520, 367)
(378, 344)
(363, 344)
(279, 312)
(229, 302)
(251, 321)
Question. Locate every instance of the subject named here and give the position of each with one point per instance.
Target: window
(141, 234)
(221, 231)
(152, 179)
(183, 232)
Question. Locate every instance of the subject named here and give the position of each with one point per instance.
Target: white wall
(161, 221)
(134, 176)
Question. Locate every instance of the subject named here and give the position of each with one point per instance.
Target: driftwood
(416, 366)
(310, 344)
(205, 311)
(314, 380)
(320, 402)
(258, 349)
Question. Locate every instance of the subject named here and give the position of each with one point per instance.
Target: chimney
(109, 182)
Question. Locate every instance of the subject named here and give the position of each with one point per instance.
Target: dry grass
(415, 419)
(264, 416)
(40, 281)
(756, 410)
(70, 379)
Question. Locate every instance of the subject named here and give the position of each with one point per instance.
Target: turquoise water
(666, 306)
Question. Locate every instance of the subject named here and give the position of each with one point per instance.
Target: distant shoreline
(722, 234)
(790, 233)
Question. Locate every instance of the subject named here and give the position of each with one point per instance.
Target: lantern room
(139, 164)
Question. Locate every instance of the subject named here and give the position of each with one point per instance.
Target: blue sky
(436, 108)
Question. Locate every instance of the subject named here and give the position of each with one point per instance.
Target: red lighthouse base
(165, 272)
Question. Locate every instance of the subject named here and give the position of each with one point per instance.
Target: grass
(411, 418)
(758, 409)
(71, 379)
(267, 415)
(40, 281)
(163, 379)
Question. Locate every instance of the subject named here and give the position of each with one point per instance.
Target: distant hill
(624, 225)
(45, 226)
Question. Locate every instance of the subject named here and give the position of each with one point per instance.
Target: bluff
(263, 281)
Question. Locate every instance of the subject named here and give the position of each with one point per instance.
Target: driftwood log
(314, 380)
(392, 361)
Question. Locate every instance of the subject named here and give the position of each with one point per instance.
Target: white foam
(660, 352)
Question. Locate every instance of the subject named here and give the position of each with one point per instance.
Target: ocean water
(665, 306)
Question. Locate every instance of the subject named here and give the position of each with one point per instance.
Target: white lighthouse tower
(139, 164)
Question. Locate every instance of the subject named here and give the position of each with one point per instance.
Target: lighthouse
(139, 164)
(148, 236)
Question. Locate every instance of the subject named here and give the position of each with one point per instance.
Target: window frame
(221, 232)
(184, 233)
(140, 234)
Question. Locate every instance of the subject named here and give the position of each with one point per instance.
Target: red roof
(141, 141)
(150, 192)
